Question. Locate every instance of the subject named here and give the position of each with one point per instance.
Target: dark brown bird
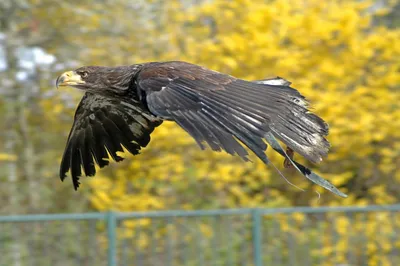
(122, 106)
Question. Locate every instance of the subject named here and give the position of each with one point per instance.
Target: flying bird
(123, 105)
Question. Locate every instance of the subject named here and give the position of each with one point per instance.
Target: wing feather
(104, 126)
(218, 110)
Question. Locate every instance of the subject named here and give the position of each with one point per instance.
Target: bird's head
(98, 79)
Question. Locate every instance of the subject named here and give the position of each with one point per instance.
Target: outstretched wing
(180, 91)
(226, 113)
(101, 127)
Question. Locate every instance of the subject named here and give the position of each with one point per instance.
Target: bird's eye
(84, 74)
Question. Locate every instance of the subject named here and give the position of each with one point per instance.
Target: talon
(286, 162)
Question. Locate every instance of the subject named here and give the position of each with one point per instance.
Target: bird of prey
(122, 105)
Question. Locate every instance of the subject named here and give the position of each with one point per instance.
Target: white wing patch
(277, 81)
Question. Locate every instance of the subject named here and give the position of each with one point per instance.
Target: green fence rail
(286, 236)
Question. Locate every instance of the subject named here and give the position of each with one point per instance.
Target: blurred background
(343, 55)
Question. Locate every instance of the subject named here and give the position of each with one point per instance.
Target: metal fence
(288, 236)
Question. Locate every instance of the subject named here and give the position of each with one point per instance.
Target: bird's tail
(301, 130)
(272, 106)
(270, 109)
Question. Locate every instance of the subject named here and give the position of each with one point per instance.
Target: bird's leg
(290, 153)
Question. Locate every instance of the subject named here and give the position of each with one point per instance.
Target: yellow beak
(69, 78)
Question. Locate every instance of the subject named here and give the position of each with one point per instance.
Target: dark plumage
(123, 105)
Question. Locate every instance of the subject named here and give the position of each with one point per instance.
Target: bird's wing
(101, 127)
(220, 110)
(178, 92)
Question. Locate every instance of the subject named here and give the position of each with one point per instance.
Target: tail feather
(284, 115)
(225, 112)
(302, 169)
(304, 133)
(279, 109)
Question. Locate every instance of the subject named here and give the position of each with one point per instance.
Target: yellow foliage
(7, 157)
(330, 50)
(334, 52)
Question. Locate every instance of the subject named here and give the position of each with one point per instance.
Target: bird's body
(122, 106)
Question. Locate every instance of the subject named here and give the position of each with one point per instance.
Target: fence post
(112, 238)
(256, 235)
